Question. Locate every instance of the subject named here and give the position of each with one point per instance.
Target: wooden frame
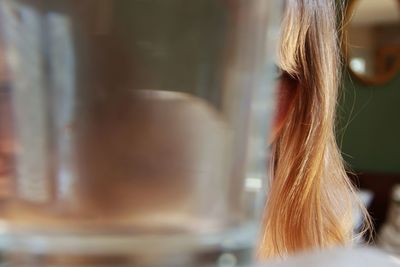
(371, 81)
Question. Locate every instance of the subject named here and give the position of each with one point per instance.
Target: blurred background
(369, 108)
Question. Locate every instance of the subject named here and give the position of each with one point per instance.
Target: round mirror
(373, 39)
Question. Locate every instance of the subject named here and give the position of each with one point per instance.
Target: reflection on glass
(7, 142)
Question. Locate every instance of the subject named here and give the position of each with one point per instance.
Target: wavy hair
(311, 199)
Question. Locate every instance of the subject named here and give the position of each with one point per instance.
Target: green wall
(369, 125)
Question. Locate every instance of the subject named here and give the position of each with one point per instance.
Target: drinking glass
(136, 130)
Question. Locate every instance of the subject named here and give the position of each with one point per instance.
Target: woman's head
(310, 201)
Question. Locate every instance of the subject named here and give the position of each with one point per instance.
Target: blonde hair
(311, 200)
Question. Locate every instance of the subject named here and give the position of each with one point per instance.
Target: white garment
(355, 257)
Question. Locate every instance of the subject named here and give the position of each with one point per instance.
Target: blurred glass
(138, 128)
